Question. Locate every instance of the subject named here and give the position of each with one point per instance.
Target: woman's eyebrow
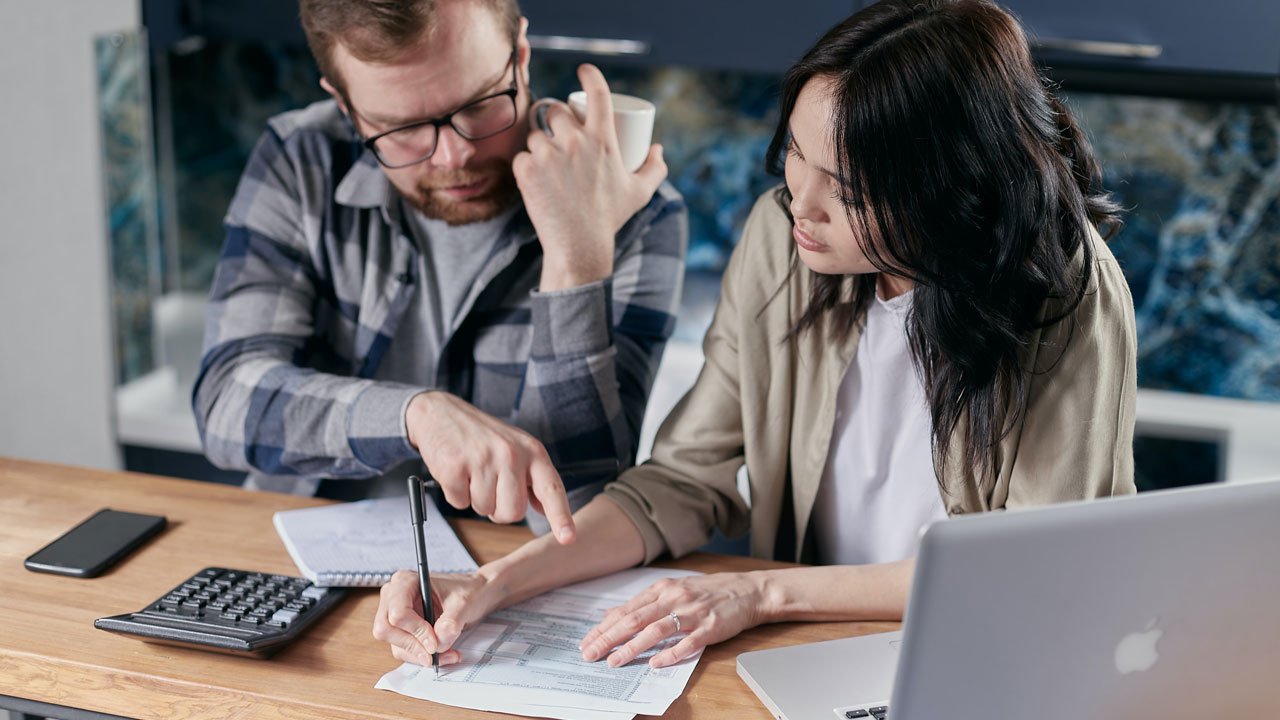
(834, 175)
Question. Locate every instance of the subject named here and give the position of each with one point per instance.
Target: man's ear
(523, 51)
(333, 92)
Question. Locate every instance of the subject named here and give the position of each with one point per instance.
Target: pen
(420, 546)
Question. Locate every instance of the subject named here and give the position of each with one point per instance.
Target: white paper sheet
(525, 660)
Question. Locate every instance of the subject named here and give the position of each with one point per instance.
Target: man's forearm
(240, 403)
(607, 541)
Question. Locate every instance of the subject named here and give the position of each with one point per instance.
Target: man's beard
(499, 196)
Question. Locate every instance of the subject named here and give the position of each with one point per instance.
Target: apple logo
(1136, 651)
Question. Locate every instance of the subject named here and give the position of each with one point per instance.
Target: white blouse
(878, 489)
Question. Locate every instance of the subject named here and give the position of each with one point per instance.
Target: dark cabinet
(1232, 37)
(1222, 36)
(747, 35)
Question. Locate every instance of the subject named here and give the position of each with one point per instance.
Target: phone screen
(92, 546)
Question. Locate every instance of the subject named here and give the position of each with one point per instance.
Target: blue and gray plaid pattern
(318, 271)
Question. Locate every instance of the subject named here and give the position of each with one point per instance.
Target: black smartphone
(96, 544)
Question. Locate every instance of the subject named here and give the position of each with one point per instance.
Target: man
(412, 275)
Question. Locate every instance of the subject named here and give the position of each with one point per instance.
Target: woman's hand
(711, 608)
(460, 600)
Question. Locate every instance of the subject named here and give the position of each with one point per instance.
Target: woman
(922, 322)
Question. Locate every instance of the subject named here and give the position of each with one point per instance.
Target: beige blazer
(771, 404)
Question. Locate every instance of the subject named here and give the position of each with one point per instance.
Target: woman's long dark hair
(979, 187)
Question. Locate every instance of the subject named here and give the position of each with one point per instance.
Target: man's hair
(379, 30)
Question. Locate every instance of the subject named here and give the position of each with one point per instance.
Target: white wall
(56, 357)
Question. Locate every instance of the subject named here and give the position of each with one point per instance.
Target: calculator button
(284, 616)
(315, 593)
(250, 620)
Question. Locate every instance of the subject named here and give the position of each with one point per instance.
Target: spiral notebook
(364, 543)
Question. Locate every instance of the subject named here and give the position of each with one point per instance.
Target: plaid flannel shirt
(318, 271)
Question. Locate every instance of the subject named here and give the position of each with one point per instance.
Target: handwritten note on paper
(525, 660)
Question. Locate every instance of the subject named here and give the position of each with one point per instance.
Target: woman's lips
(808, 243)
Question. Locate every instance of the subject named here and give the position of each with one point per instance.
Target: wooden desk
(50, 652)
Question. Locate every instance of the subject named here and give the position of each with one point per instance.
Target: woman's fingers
(645, 598)
(688, 645)
(654, 633)
(406, 647)
(620, 629)
(399, 620)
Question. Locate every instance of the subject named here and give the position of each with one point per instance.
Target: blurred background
(129, 122)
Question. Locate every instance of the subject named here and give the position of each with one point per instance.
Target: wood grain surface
(50, 651)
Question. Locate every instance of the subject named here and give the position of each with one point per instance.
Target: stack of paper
(525, 660)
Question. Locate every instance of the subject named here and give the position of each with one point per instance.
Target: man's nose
(452, 150)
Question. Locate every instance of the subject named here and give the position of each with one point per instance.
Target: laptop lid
(1158, 605)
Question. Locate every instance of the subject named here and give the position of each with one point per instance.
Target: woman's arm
(713, 608)
(606, 542)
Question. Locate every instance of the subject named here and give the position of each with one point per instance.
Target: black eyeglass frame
(443, 120)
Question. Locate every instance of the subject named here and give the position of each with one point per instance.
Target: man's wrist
(563, 272)
(419, 408)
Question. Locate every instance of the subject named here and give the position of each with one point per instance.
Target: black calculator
(231, 611)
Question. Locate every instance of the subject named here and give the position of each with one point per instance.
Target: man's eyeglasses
(411, 144)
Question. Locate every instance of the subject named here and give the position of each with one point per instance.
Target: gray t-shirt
(450, 260)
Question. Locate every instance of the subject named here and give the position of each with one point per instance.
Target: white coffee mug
(633, 120)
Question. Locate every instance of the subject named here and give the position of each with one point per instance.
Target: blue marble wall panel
(128, 181)
(1201, 181)
(1201, 248)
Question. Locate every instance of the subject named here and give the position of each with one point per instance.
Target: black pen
(416, 487)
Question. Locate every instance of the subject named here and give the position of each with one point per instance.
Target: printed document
(525, 659)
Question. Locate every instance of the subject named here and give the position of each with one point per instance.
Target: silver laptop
(1162, 605)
